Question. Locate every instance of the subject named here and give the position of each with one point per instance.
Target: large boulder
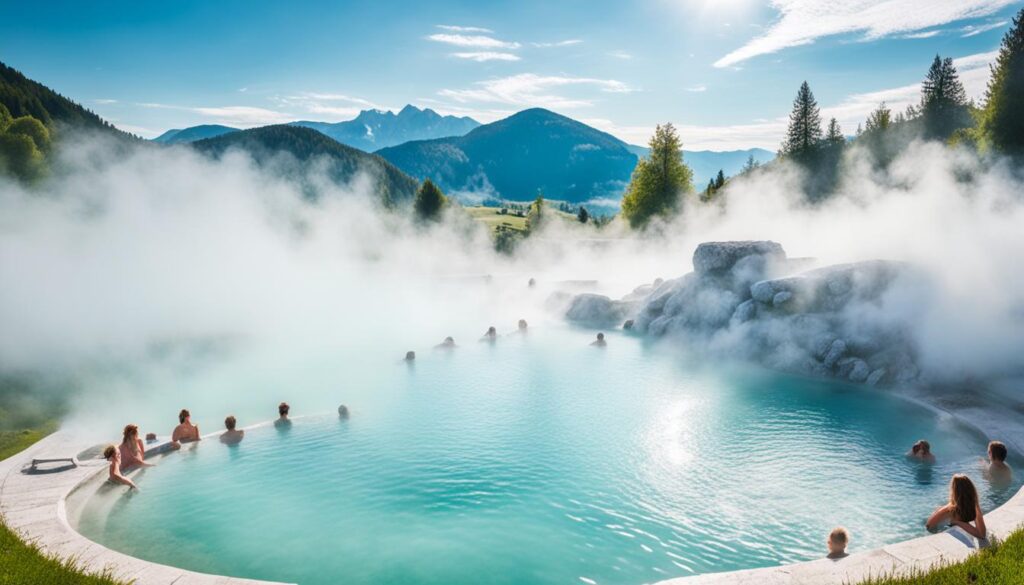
(718, 258)
(597, 310)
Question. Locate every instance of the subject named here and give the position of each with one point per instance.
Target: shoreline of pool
(35, 506)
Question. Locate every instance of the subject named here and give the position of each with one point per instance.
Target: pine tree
(750, 166)
(582, 215)
(943, 100)
(658, 181)
(429, 201)
(804, 134)
(536, 216)
(878, 120)
(719, 180)
(1002, 120)
(834, 135)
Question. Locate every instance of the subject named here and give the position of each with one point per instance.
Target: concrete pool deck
(35, 505)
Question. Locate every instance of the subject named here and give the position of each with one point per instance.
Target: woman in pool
(113, 455)
(231, 436)
(132, 453)
(185, 432)
(922, 450)
(962, 509)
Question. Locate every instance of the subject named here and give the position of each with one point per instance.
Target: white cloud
(922, 35)
(976, 29)
(105, 102)
(801, 22)
(478, 41)
(620, 55)
(564, 43)
(327, 107)
(529, 89)
(469, 29)
(238, 116)
(481, 56)
(697, 88)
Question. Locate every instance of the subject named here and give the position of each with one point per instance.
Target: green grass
(22, 563)
(490, 217)
(1000, 564)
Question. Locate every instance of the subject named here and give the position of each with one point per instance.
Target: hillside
(193, 134)
(514, 158)
(304, 149)
(375, 129)
(25, 97)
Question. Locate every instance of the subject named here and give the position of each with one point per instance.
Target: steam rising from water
(155, 278)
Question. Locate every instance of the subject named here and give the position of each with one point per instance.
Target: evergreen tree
(1002, 120)
(719, 180)
(804, 134)
(5, 117)
(943, 100)
(658, 181)
(582, 215)
(834, 135)
(536, 216)
(429, 201)
(750, 166)
(878, 120)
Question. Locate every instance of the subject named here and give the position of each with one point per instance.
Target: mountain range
(375, 129)
(193, 134)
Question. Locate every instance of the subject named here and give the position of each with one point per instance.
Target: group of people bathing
(131, 453)
(963, 507)
(491, 335)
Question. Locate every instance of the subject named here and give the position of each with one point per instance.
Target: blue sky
(725, 72)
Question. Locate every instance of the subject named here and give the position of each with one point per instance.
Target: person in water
(962, 509)
(448, 343)
(185, 432)
(997, 472)
(410, 356)
(231, 436)
(922, 450)
(343, 412)
(600, 342)
(522, 325)
(113, 455)
(131, 451)
(491, 335)
(837, 541)
(282, 416)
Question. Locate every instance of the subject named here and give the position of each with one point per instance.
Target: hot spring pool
(541, 460)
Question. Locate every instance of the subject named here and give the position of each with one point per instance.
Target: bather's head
(110, 452)
(600, 336)
(522, 324)
(130, 434)
(230, 422)
(282, 409)
(963, 496)
(491, 331)
(837, 540)
(184, 415)
(997, 451)
(410, 356)
(342, 411)
(922, 447)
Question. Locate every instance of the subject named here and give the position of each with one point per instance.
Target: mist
(147, 279)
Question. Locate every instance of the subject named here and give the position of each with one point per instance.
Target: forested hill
(25, 97)
(514, 158)
(308, 149)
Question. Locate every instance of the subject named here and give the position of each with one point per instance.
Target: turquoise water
(542, 460)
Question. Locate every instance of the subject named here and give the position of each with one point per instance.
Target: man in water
(343, 412)
(410, 356)
(922, 450)
(185, 432)
(997, 472)
(283, 422)
(231, 436)
(837, 540)
(522, 325)
(448, 343)
(491, 335)
(600, 341)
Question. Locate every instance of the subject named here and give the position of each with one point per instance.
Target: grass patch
(490, 217)
(1000, 564)
(12, 442)
(22, 563)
